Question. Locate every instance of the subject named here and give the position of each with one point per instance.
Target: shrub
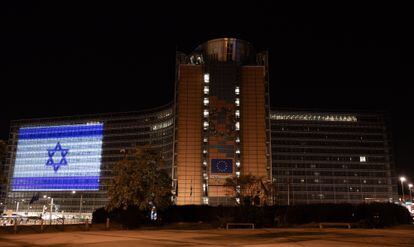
(363, 215)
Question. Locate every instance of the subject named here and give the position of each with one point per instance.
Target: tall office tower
(222, 126)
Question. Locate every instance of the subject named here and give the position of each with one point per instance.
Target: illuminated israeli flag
(58, 158)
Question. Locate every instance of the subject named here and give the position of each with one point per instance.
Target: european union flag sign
(221, 166)
(56, 158)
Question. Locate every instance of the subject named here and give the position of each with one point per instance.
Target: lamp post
(44, 206)
(402, 179)
(410, 186)
(80, 203)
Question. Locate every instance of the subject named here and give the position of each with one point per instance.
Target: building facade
(89, 156)
(218, 126)
(222, 124)
(328, 157)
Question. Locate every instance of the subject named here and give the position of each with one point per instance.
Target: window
(206, 101)
(207, 78)
(237, 125)
(206, 90)
(237, 102)
(362, 159)
(205, 113)
(237, 113)
(237, 90)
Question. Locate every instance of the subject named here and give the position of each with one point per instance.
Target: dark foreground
(403, 236)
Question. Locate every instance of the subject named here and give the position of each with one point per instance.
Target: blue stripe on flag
(80, 130)
(55, 183)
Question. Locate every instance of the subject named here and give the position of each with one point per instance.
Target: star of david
(51, 152)
(221, 166)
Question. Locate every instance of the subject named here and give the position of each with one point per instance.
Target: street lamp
(402, 179)
(409, 188)
(80, 203)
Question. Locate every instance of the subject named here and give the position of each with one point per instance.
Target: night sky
(59, 59)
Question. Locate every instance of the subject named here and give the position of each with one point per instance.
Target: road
(258, 237)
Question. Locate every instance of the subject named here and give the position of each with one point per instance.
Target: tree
(139, 181)
(248, 188)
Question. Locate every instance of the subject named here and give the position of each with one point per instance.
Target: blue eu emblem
(222, 166)
(51, 152)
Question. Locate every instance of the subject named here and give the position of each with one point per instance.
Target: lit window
(238, 163)
(364, 181)
(237, 151)
(205, 139)
(205, 200)
(206, 89)
(204, 187)
(204, 163)
(162, 125)
(206, 101)
(205, 124)
(206, 78)
(238, 174)
(237, 102)
(238, 139)
(237, 113)
(302, 180)
(237, 90)
(205, 175)
(237, 200)
(204, 151)
(205, 113)
(313, 117)
(237, 125)
(362, 159)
